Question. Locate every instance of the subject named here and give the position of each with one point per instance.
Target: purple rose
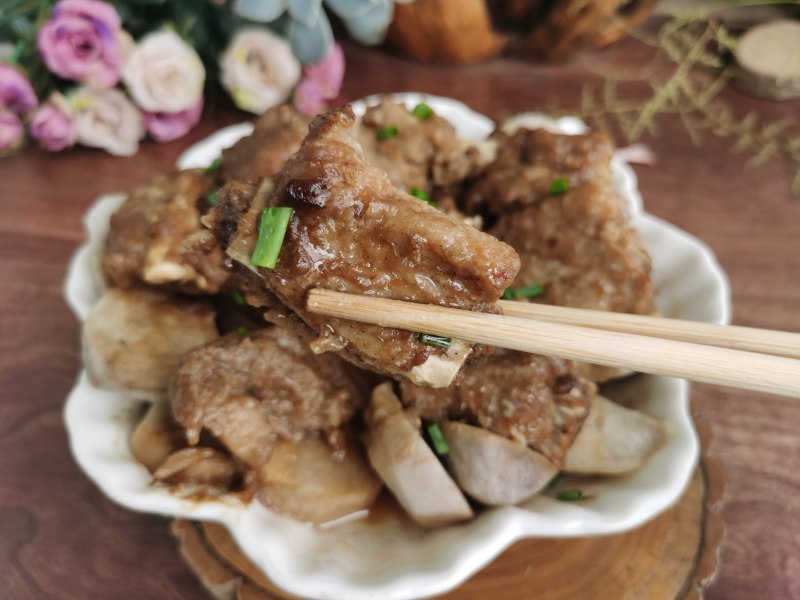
(11, 132)
(16, 93)
(81, 42)
(165, 127)
(52, 125)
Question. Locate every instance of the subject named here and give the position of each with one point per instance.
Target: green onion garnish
(435, 340)
(238, 297)
(214, 166)
(570, 496)
(418, 193)
(422, 195)
(212, 199)
(271, 231)
(242, 330)
(438, 440)
(555, 480)
(422, 111)
(559, 186)
(386, 133)
(529, 291)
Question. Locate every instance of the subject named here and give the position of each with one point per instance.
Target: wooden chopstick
(765, 341)
(709, 364)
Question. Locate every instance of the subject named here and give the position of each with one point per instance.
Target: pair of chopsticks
(753, 359)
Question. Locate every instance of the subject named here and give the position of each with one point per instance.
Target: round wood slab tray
(674, 556)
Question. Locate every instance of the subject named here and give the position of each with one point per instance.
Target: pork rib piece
(579, 245)
(528, 161)
(252, 390)
(536, 400)
(352, 231)
(156, 237)
(276, 136)
(424, 153)
(582, 249)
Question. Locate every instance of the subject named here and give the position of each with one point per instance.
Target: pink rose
(11, 132)
(165, 127)
(321, 82)
(81, 42)
(16, 93)
(52, 124)
(308, 97)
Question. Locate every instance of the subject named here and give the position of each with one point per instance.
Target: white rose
(107, 119)
(164, 74)
(259, 70)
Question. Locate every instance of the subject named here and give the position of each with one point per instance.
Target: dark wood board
(60, 538)
(672, 557)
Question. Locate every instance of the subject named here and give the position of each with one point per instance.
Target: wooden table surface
(61, 538)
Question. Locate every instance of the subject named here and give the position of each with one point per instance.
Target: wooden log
(443, 31)
(219, 580)
(468, 31)
(768, 60)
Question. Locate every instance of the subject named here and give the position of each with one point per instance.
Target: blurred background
(159, 66)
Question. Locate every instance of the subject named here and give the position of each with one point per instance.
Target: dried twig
(696, 48)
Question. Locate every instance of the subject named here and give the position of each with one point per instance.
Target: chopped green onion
(555, 480)
(438, 440)
(271, 231)
(386, 133)
(242, 330)
(418, 193)
(422, 195)
(435, 340)
(238, 297)
(529, 291)
(422, 111)
(559, 186)
(570, 496)
(214, 166)
(212, 199)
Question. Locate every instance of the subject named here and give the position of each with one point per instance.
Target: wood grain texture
(655, 561)
(60, 538)
(673, 556)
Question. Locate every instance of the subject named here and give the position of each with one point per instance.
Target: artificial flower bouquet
(106, 74)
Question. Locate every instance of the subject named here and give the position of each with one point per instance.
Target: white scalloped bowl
(391, 559)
